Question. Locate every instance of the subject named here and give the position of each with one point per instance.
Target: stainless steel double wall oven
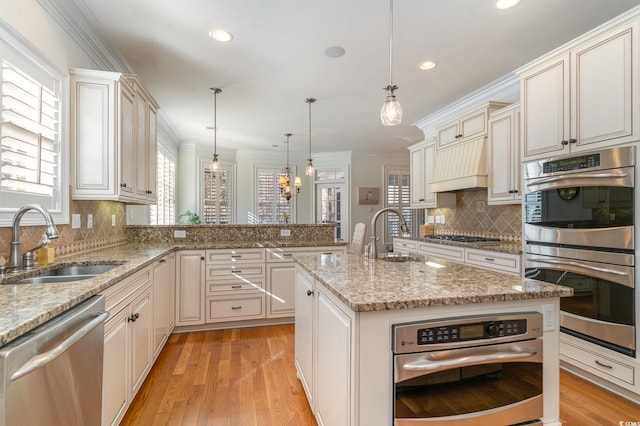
(579, 232)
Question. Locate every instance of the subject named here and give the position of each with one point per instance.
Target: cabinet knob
(573, 140)
(133, 317)
(565, 142)
(309, 292)
(421, 199)
(123, 185)
(201, 257)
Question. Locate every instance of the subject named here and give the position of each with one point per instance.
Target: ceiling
(277, 59)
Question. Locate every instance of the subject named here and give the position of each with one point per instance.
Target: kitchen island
(347, 305)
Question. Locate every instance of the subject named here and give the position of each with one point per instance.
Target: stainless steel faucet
(15, 261)
(373, 246)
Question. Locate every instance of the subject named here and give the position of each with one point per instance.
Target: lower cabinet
(326, 374)
(163, 301)
(127, 343)
(190, 287)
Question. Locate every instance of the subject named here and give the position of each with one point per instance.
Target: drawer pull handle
(236, 286)
(287, 254)
(327, 252)
(236, 256)
(236, 271)
(489, 259)
(235, 308)
(602, 364)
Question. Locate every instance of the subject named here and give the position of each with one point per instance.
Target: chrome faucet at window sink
(16, 261)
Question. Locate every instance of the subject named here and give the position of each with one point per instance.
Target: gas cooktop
(464, 239)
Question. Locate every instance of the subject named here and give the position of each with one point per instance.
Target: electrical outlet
(113, 220)
(430, 219)
(179, 233)
(548, 317)
(89, 221)
(75, 221)
(285, 232)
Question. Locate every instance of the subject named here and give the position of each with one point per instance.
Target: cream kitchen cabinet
(281, 277)
(113, 138)
(471, 125)
(505, 171)
(190, 288)
(164, 290)
(422, 162)
(235, 285)
(127, 343)
(324, 354)
(583, 98)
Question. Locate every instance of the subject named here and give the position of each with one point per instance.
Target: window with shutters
(397, 196)
(33, 153)
(271, 206)
(164, 213)
(218, 194)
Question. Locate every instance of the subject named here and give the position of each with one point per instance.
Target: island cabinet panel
(442, 251)
(305, 301)
(504, 262)
(128, 343)
(190, 287)
(163, 301)
(333, 367)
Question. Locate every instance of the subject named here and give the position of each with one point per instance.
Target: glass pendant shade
(214, 164)
(309, 170)
(391, 112)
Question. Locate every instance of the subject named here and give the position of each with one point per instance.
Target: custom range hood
(462, 166)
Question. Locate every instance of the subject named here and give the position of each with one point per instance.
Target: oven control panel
(475, 330)
(572, 163)
(464, 332)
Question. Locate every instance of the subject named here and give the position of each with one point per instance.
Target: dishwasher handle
(43, 359)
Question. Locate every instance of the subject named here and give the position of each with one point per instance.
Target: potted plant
(190, 218)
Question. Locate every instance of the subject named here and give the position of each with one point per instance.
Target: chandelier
(391, 112)
(284, 181)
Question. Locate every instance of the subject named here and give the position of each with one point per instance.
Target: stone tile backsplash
(474, 217)
(75, 240)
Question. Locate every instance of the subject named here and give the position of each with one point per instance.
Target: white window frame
(165, 150)
(256, 194)
(11, 43)
(205, 163)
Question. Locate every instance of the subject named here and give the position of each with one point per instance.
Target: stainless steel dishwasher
(53, 374)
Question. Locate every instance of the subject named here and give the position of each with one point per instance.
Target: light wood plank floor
(246, 376)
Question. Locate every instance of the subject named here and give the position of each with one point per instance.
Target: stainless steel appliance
(53, 374)
(464, 239)
(579, 232)
(475, 370)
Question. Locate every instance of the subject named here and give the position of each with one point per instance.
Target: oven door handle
(581, 176)
(469, 357)
(579, 265)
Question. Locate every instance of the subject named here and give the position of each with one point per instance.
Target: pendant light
(215, 165)
(284, 180)
(309, 170)
(391, 112)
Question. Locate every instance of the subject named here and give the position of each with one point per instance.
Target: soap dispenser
(47, 252)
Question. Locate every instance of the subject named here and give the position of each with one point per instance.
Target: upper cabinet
(504, 156)
(423, 157)
(113, 138)
(583, 98)
(468, 126)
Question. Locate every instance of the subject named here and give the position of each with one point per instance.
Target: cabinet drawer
(235, 271)
(405, 245)
(595, 363)
(235, 255)
(442, 251)
(280, 255)
(237, 307)
(227, 285)
(125, 290)
(493, 260)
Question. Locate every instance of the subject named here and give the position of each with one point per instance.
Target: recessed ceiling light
(334, 51)
(221, 35)
(506, 4)
(428, 65)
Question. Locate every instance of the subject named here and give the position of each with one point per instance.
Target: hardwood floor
(246, 376)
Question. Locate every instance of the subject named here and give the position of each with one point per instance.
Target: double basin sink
(66, 273)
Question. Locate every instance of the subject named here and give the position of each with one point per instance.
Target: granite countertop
(26, 306)
(376, 285)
